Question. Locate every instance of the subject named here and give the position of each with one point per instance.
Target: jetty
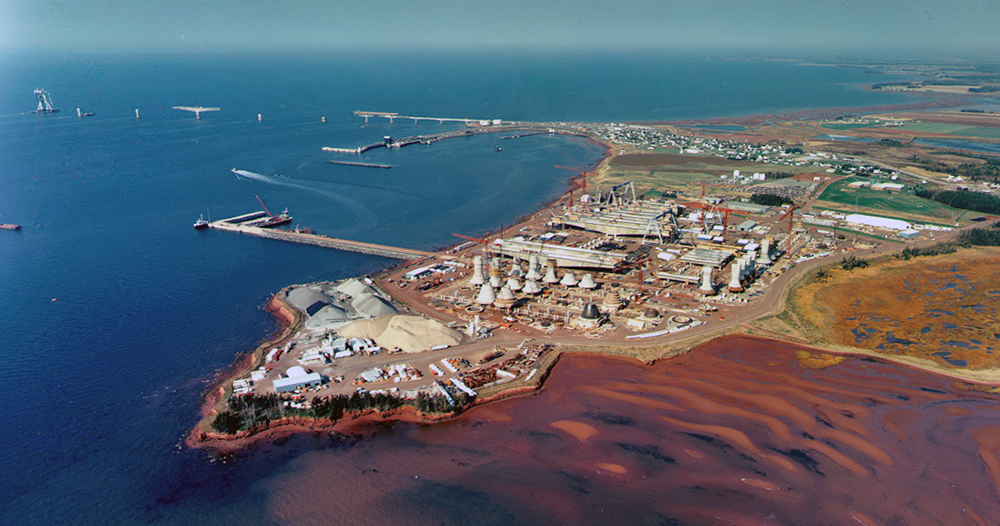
(238, 224)
(440, 120)
(365, 165)
(390, 143)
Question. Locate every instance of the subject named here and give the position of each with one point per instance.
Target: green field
(658, 179)
(681, 172)
(954, 129)
(900, 205)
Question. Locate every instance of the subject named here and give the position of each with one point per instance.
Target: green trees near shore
(250, 411)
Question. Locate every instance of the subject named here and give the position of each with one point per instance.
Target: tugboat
(200, 223)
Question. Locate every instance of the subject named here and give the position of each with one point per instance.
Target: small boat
(8, 226)
(498, 149)
(200, 223)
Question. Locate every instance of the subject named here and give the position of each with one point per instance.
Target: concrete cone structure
(514, 284)
(612, 302)
(735, 284)
(505, 299)
(486, 295)
(765, 252)
(478, 278)
(531, 287)
(550, 274)
(569, 279)
(588, 282)
(533, 261)
(706, 286)
(495, 280)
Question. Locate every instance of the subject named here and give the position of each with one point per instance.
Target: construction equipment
(704, 184)
(579, 181)
(44, 102)
(788, 241)
(272, 219)
(705, 209)
(620, 194)
(481, 241)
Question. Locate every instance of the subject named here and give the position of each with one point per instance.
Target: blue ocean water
(115, 314)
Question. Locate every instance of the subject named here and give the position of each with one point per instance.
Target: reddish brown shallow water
(732, 433)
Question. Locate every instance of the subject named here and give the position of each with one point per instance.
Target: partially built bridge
(235, 224)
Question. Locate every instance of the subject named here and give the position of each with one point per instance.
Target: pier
(390, 143)
(365, 165)
(440, 120)
(235, 224)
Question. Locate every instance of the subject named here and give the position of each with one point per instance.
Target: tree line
(964, 199)
(974, 237)
(770, 200)
(250, 411)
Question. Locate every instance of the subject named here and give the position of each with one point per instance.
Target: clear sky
(792, 27)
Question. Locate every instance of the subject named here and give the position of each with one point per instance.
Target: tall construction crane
(704, 184)
(788, 240)
(481, 240)
(266, 210)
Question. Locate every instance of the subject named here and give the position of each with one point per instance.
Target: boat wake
(359, 210)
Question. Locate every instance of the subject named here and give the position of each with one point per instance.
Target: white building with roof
(877, 222)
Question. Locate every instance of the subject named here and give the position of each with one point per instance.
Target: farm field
(675, 172)
(954, 129)
(899, 205)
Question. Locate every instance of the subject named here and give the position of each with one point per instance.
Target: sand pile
(409, 333)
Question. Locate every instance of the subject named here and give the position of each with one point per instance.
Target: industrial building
(297, 378)
(877, 222)
(570, 257)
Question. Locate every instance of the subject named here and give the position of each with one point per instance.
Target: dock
(390, 143)
(235, 224)
(440, 120)
(364, 165)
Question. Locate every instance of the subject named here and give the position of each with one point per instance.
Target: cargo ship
(8, 226)
(277, 220)
(271, 219)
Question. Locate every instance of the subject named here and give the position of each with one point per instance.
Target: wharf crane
(44, 102)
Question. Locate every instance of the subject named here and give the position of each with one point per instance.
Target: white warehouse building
(878, 222)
